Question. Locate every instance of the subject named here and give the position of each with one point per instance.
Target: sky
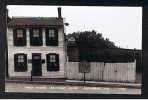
(122, 25)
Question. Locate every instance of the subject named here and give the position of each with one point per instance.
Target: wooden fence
(99, 71)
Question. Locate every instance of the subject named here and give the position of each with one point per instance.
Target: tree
(92, 39)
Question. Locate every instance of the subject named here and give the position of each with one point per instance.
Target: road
(36, 88)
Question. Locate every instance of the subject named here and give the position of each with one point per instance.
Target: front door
(36, 64)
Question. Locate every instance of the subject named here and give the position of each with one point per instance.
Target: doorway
(36, 64)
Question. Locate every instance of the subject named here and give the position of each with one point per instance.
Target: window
(52, 58)
(19, 37)
(36, 37)
(51, 33)
(19, 33)
(36, 57)
(52, 37)
(20, 59)
(20, 62)
(36, 33)
(52, 62)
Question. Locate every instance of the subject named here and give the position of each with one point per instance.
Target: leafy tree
(92, 39)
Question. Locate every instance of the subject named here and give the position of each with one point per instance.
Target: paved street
(24, 87)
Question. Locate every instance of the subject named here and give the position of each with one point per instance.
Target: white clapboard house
(36, 46)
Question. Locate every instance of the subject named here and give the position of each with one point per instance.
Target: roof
(35, 21)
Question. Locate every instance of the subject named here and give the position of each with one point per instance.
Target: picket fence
(99, 71)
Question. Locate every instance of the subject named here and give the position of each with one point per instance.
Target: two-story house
(36, 46)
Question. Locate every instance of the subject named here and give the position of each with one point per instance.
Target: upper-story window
(36, 37)
(36, 33)
(51, 33)
(52, 37)
(19, 33)
(19, 37)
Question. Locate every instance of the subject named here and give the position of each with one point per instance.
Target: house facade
(36, 46)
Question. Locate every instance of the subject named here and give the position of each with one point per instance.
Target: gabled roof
(35, 21)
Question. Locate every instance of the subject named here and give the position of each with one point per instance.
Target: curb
(79, 83)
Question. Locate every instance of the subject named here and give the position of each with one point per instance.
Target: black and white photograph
(74, 49)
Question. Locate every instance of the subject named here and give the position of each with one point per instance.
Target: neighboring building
(72, 49)
(36, 45)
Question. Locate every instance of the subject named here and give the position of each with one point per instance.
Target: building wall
(60, 49)
(73, 54)
(99, 71)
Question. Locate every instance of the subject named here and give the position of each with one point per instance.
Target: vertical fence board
(96, 71)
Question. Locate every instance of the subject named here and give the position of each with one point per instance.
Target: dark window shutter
(40, 37)
(48, 62)
(25, 62)
(24, 38)
(16, 62)
(14, 37)
(52, 41)
(19, 41)
(57, 62)
(52, 66)
(36, 41)
(31, 36)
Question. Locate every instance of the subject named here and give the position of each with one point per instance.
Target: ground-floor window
(52, 62)
(20, 62)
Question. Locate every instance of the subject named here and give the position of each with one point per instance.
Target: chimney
(59, 12)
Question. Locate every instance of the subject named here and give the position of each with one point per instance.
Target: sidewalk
(71, 82)
(108, 84)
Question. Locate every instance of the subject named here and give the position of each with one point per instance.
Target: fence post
(31, 75)
(84, 77)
